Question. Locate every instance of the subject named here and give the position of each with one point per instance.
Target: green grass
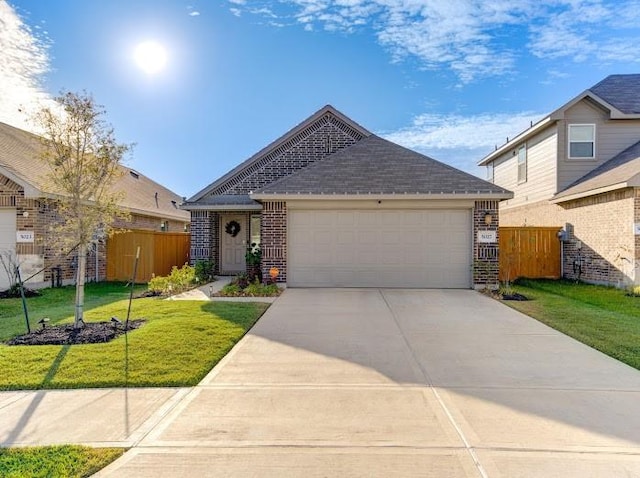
(179, 344)
(67, 461)
(604, 318)
(57, 304)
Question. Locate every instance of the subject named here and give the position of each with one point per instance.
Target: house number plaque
(487, 237)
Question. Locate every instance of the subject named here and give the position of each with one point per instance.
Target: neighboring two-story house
(579, 169)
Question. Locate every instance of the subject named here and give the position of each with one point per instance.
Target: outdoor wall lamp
(488, 218)
(163, 225)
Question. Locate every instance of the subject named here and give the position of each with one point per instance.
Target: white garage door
(429, 248)
(7, 241)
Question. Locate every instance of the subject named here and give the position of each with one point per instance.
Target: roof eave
(158, 214)
(30, 191)
(220, 207)
(540, 125)
(590, 192)
(400, 196)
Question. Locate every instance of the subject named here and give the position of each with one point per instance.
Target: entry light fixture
(488, 218)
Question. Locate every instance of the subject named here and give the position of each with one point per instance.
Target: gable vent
(133, 173)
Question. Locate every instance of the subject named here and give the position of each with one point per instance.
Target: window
(582, 141)
(255, 230)
(490, 172)
(522, 164)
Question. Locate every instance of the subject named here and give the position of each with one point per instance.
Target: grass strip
(605, 318)
(69, 461)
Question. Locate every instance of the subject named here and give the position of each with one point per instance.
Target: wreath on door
(232, 228)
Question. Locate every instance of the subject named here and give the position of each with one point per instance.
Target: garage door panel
(380, 248)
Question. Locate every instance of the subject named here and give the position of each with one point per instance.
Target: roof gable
(379, 167)
(20, 149)
(620, 91)
(618, 94)
(324, 132)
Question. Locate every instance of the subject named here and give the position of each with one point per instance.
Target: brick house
(578, 169)
(25, 212)
(333, 205)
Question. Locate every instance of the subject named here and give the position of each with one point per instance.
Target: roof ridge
(294, 134)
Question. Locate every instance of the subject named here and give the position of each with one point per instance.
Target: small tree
(82, 161)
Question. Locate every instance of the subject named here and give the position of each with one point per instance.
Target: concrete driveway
(427, 383)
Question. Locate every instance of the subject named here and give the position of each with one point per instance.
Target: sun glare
(150, 56)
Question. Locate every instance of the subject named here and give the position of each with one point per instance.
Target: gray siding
(612, 137)
(541, 170)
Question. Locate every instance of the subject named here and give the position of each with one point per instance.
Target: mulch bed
(500, 296)
(91, 333)
(514, 296)
(15, 293)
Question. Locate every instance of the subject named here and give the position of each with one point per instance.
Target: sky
(448, 78)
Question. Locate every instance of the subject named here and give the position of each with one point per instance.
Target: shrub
(177, 281)
(253, 258)
(204, 271)
(634, 291)
(231, 290)
(241, 280)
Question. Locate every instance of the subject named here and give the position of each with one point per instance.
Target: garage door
(7, 241)
(428, 248)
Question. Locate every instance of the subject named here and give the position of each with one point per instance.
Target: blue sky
(447, 78)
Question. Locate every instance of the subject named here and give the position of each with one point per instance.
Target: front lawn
(180, 342)
(57, 304)
(604, 318)
(55, 461)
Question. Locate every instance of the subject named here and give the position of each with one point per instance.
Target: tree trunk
(82, 265)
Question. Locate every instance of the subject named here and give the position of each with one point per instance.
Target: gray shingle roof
(618, 170)
(224, 200)
(376, 166)
(621, 91)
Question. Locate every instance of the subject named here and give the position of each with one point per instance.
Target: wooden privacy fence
(532, 252)
(159, 252)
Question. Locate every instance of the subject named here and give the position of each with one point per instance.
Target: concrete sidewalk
(427, 383)
(96, 417)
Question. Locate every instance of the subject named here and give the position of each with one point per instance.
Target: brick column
(273, 238)
(485, 255)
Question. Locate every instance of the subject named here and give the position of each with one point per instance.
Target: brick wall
(273, 235)
(323, 137)
(38, 216)
(485, 255)
(602, 225)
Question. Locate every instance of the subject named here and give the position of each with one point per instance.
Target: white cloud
(461, 140)
(194, 13)
(481, 38)
(24, 60)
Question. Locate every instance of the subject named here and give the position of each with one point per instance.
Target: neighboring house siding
(541, 214)
(612, 137)
(541, 170)
(141, 222)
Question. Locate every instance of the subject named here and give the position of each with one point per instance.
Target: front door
(233, 243)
